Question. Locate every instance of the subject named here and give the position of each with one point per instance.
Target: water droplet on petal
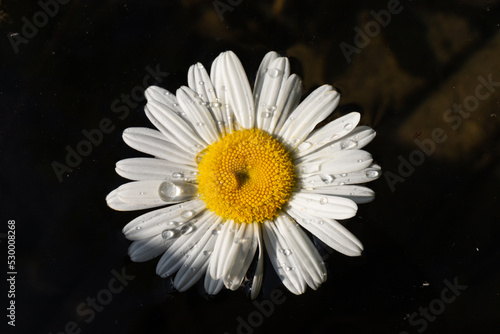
(200, 124)
(215, 104)
(271, 108)
(323, 200)
(273, 72)
(187, 214)
(289, 268)
(348, 144)
(304, 146)
(326, 178)
(186, 229)
(168, 191)
(348, 126)
(167, 234)
(138, 227)
(178, 175)
(287, 252)
(372, 174)
(265, 114)
(201, 83)
(320, 222)
(343, 174)
(207, 252)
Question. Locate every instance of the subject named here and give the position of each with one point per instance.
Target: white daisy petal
(190, 234)
(115, 203)
(261, 73)
(355, 140)
(259, 271)
(329, 231)
(147, 249)
(163, 96)
(240, 256)
(239, 94)
(162, 220)
(275, 77)
(315, 108)
(288, 99)
(324, 205)
(318, 180)
(154, 169)
(153, 142)
(328, 133)
(142, 194)
(220, 84)
(174, 128)
(196, 264)
(285, 266)
(335, 163)
(357, 194)
(311, 263)
(212, 285)
(199, 81)
(198, 114)
(222, 247)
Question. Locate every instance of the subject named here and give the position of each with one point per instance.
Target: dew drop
(168, 191)
(201, 83)
(289, 268)
(186, 229)
(138, 227)
(320, 222)
(167, 234)
(287, 252)
(343, 174)
(142, 193)
(304, 146)
(326, 178)
(348, 126)
(176, 104)
(200, 65)
(187, 214)
(360, 160)
(372, 174)
(323, 200)
(207, 252)
(215, 104)
(348, 144)
(273, 72)
(271, 108)
(265, 114)
(178, 175)
(306, 221)
(200, 124)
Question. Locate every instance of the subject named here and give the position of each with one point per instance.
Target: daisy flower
(239, 174)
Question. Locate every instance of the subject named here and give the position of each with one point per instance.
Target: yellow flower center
(246, 176)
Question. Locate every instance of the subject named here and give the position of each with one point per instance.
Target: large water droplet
(186, 229)
(167, 234)
(168, 191)
(326, 178)
(323, 200)
(304, 146)
(287, 252)
(348, 144)
(271, 108)
(273, 72)
(372, 174)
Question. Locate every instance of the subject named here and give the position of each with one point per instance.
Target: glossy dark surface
(434, 223)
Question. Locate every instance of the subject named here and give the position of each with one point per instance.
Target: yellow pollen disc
(246, 176)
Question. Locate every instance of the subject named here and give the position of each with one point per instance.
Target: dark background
(440, 225)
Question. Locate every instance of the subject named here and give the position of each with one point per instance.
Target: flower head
(239, 173)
